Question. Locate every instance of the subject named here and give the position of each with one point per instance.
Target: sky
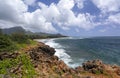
(68, 17)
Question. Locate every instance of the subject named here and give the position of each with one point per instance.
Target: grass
(24, 45)
(16, 43)
(27, 71)
(6, 65)
(97, 72)
(27, 67)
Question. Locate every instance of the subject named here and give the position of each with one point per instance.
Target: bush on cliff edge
(20, 38)
(6, 44)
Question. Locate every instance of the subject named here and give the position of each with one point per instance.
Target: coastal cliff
(47, 65)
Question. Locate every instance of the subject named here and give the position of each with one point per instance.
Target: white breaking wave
(60, 52)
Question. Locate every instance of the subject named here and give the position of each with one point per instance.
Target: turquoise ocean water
(76, 50)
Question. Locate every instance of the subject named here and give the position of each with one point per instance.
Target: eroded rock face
(42, 53)
(50, 66)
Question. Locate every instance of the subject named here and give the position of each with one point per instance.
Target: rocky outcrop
(98, 67)
(94, 66)
(47, 64)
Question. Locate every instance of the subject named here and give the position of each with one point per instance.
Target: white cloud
(114, 18)
(45, 17)
(14, 13)
(30, 2)
(12, 10)
(42, 5)
(67, 18)
(66, 4)
(107, 5)
(7, 24)
(38, 22)
(109, 15)
(84, 21)
(62, 15)
(51, 13)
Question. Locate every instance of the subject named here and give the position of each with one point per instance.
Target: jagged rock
(95, 66)
(47, 50)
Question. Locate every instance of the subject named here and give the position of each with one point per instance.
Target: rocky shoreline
(50, 66)
(47, 65)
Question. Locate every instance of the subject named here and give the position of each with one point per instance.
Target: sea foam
(60, 52)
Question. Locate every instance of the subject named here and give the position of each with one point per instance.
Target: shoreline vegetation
(23, 57)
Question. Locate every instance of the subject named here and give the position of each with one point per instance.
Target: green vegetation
(16, 41)
(20, 38)
(97, 72)
(0, 31)
(11, 43)
(27, 71)
(6, 64)
(6, 44)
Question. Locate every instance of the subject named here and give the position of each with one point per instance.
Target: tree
(20, 38)
(6, 44)
(0, 31)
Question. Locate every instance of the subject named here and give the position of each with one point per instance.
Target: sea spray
(60, 52)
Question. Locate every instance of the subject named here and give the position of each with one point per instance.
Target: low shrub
(6, 44)
(20, 38)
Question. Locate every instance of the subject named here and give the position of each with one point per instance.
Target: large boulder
(47, 50)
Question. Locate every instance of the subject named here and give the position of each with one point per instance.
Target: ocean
(76, 50)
